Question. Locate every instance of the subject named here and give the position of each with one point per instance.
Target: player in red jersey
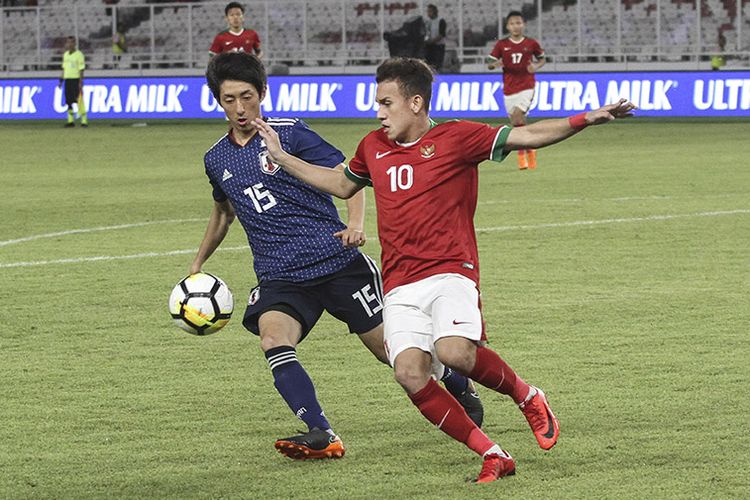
(236, 38)
(519, 57)
(424, 176)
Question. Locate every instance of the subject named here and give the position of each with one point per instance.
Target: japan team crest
(266, 165)
(254, 296)
(427, 150)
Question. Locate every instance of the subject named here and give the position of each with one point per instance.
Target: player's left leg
(518, 119)
(458, 343)
(488, 368)
(82, 110)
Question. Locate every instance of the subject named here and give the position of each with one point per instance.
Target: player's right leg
(412, 368)
(71, 97)
(280, 314)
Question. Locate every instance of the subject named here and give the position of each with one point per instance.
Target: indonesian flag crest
(427, 150)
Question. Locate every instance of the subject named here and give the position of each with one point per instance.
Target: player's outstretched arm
(546, 132)
(354, 234)
(330, 180)
(222, 216)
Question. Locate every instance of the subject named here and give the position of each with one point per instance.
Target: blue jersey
(289, 224)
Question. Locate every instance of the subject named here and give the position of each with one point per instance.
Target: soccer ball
(201, 304)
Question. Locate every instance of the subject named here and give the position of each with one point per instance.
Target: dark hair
(233, 5)
(433, 6)
(514, 13)
(413, 76)
(239, 66)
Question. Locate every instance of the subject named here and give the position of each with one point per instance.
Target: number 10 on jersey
(402, 177)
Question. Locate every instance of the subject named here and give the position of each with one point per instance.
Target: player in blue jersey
(305, 258)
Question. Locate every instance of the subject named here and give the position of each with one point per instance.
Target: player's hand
(531, 68)
(271, 138)
(351, 237)
(621, 109)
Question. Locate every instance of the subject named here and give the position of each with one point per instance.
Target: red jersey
(516, 57)
(244, 41)
(426, 194)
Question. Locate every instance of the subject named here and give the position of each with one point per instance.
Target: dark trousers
(434, 55)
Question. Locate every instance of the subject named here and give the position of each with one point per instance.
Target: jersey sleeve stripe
(357, 178)
(217, 142)
(498, 152)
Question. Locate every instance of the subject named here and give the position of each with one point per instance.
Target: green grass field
(616, 277)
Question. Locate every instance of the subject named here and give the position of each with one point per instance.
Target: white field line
(96, 229)
(650, 218)
(597, 200)
(613, 221)
(100, 258)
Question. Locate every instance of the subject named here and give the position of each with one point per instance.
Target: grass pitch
(615, 276)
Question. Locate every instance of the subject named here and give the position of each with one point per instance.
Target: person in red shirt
(519, 57)
(236, 38)
(424, 176)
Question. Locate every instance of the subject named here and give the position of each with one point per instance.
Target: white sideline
(78, 260)
(613, 221)
(95, 229)
(99, 258)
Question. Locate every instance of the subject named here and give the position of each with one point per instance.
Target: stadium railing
(314, 36)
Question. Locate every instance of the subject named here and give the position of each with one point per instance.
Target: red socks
(442, 409)
(492, 372)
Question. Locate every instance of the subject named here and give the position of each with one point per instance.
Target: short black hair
(413, 76)
(433, 6)
(239, 66)
(514, 13)
(233, 5)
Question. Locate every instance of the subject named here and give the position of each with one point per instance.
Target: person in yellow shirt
(72, 66)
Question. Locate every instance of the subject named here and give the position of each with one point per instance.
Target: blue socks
(295, 386)
(454, 382)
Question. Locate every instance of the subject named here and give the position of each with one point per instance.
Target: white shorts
(521, 100)
(420, 313)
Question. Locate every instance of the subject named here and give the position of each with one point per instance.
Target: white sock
(531, 394)
(496, 450)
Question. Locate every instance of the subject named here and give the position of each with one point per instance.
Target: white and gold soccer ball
(201, 304)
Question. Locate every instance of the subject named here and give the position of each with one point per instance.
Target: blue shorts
(353, 295)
